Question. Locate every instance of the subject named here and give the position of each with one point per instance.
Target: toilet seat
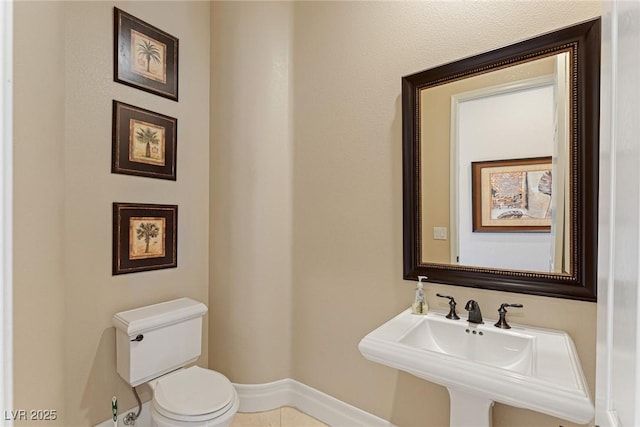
(194, 394)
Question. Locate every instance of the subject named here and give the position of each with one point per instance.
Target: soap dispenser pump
(419, 305)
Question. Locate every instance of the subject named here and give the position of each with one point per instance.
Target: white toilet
(153, 345)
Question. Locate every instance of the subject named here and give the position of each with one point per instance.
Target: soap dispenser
(419, 305)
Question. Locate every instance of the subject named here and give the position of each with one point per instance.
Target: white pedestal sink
(526, 367)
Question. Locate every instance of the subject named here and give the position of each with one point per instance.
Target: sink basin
(526, 367)
(482, 344)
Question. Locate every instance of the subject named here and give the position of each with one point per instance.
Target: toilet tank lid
(143, 319)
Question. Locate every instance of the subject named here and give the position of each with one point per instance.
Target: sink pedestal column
(469, 409)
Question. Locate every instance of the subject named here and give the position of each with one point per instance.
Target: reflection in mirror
(516, 112)
(500, 167)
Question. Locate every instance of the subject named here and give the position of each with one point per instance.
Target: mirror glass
(518, 112)
(500, 165)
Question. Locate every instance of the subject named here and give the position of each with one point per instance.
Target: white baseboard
(286, 392)
(289, 392)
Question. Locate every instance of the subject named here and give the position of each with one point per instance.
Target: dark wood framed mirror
(533, 99)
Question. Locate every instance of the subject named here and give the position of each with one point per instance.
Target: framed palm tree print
(145, 57)
(143, 142)
(145, 237)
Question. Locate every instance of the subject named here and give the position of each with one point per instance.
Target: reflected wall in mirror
(535, 99)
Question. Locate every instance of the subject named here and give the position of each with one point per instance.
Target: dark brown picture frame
(525, 202)
(144, 56)
(584, 41)
(145, 237)
(144, 143)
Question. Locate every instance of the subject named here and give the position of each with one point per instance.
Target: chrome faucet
(475, 315)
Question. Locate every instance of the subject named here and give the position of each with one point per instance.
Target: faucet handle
(502, 322)
(502, 306)
(452, 307)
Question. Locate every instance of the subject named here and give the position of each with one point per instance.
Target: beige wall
(38, 217)
(293, 215)
(64, 292)
(251, 190)
(340, 274)
(348, 61)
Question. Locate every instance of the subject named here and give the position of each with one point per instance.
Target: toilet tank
(159, 338)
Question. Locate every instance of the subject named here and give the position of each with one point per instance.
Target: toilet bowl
(194, 397)
(153, 345)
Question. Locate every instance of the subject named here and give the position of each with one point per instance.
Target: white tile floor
(281, 417)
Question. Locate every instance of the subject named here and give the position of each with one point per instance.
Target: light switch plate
(440, 233)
